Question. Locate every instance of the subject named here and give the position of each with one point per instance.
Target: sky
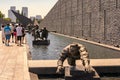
(35, 7)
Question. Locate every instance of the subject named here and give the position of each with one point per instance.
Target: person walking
(12, 31)
(15, 34)
(7, 31)
(23, 33)
(19, 35)
(3, 34)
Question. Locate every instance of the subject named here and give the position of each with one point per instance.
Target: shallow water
(57, 43)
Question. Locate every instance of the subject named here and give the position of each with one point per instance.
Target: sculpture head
(74, 48)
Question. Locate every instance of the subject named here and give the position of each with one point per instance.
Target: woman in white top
(3, 34)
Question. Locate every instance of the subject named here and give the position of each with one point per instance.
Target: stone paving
(13, 62)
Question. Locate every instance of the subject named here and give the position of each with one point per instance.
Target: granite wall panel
(96, 20)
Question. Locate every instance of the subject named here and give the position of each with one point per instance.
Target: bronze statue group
(40, 34)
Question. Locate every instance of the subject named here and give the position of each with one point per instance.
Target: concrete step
(50, 66)
(78, 73)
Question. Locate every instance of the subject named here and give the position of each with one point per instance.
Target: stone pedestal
(41, 42)
(78, 73)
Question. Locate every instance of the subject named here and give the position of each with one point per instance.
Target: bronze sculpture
(73, 52)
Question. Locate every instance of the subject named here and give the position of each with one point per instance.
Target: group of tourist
(14, 32)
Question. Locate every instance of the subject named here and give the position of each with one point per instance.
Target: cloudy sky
(35, 7)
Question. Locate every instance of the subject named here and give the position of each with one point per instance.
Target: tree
(1, 15)
(7, 19)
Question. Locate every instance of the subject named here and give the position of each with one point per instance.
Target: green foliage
(1, 15)
(7, 19)
(17, 20)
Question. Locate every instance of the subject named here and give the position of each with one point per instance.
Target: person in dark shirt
(23, 33)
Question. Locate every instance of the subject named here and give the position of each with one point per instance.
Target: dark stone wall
(96, 20)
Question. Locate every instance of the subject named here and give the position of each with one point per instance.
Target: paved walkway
(13, 62)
